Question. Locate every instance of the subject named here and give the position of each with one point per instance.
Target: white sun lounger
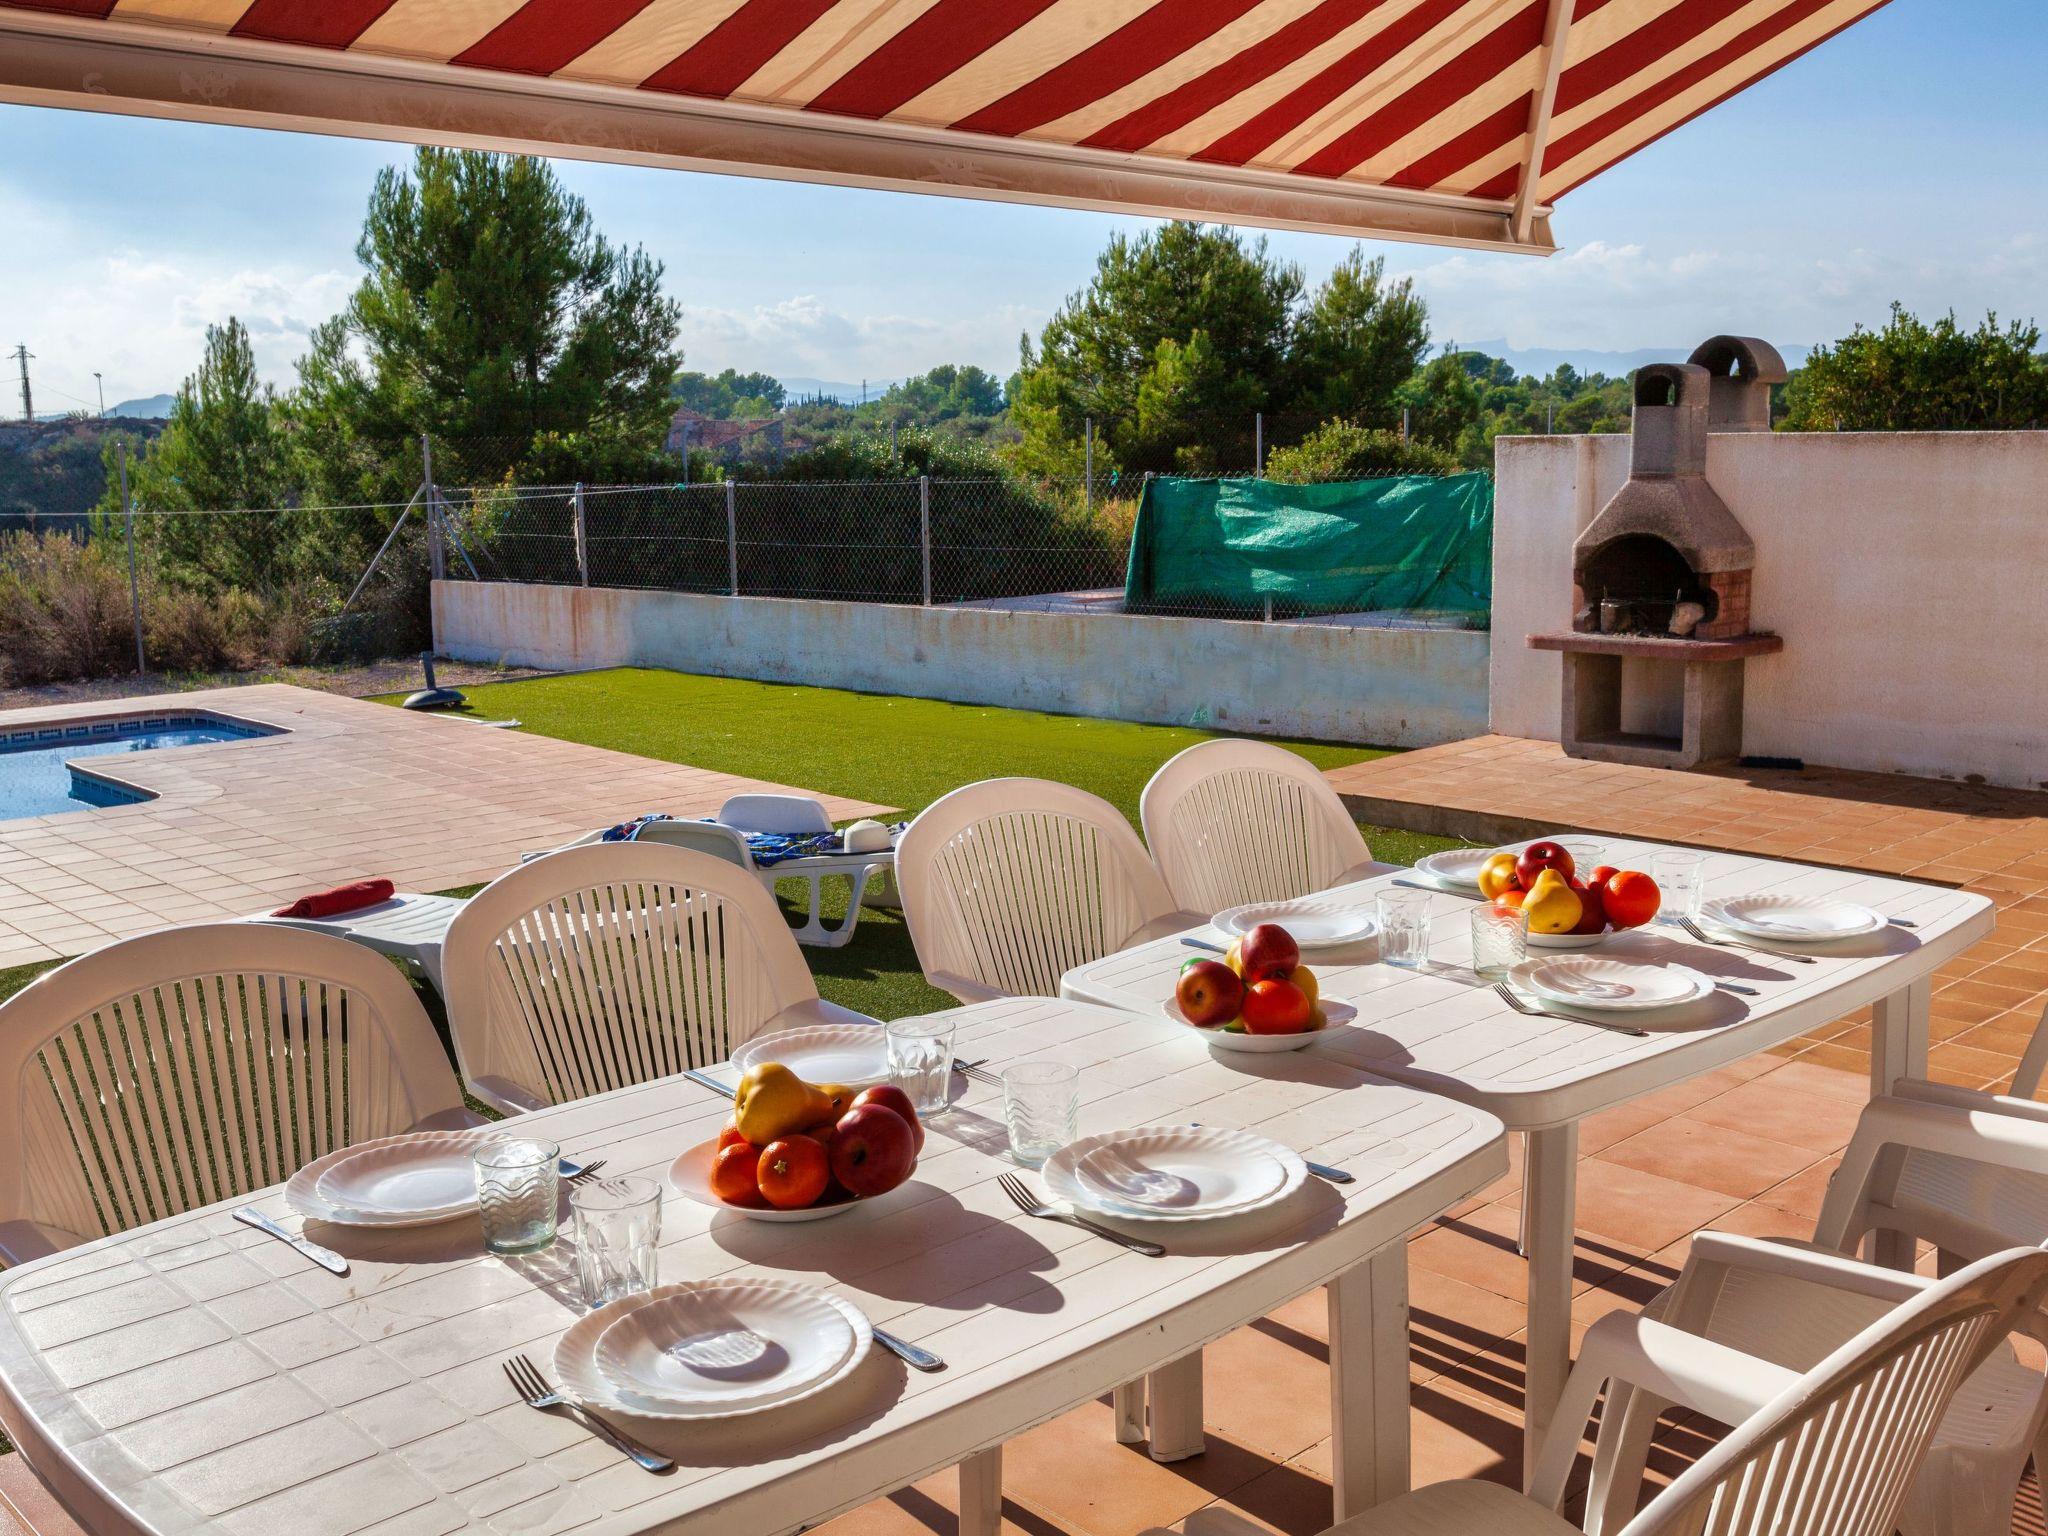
(408, 927)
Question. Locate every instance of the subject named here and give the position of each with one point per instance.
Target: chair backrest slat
(1835, 1454)
(182, 1068)
(609, 964)
(1231, 821)
(1009, 883)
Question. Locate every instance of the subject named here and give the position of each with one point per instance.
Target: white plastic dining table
(1445, 1029)
(195, 1375)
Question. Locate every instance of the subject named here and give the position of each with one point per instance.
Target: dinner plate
(1455, 869)
(1595, 981)
(690, 1175)
(1313, 922)
(725, 1345)
(576, 1363)
(852, 1055)
(430, 1178)
(1181, 1170)
(1797, 919)
(1334, 1014)
(302, 1192)
(1231, 1173)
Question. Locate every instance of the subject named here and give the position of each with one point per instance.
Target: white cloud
(803, 335)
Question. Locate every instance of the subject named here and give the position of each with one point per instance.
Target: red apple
(1209, 993)
(889, 1096)
(1268, 950)
(1538, 857)
(1276, 1008)
(873, 1150)
(1592, 910)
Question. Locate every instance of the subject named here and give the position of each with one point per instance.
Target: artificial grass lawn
(899, 752)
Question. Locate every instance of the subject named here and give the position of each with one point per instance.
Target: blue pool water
(34, 778)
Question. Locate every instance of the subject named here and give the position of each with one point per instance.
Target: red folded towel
(343, 898)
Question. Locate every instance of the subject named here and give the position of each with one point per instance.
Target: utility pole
(28, 405)
(102, 386)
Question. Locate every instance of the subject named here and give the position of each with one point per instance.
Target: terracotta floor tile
(1073, 1471)
(1710, 1156)
(1629, 1212)
(1783, 1114)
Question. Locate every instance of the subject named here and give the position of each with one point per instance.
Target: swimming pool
(34, 778)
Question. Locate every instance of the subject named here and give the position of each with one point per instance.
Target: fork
(1026, 1202)
(578, 1173)
(977, 1071)
(1704, 937)
(1519, 1006)
(535, 1392)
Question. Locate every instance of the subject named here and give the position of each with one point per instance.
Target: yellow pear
(1552, 905)
(1497, 874)
(1305, 979)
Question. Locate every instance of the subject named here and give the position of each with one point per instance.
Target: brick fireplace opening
(1661, 577)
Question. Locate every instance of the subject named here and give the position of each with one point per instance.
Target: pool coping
(65, 731)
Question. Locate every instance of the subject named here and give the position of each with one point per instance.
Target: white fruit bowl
(1334, 1014)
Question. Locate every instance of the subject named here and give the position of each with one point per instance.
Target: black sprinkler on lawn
(433, 696)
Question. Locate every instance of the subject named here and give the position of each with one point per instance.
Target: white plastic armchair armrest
(965, 988)
(1668, 1363)
(1986, 1136)
(1798, 1261)
(506, 1096)
(21, 1241)
(1924, 1092)
(815, 1010)
(461, 1118)
(1165, 926)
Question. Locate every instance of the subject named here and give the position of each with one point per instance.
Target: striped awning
(1450, 121)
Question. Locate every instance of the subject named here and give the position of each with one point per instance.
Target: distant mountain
(835, 389)
(151, 406)
(1543, 361)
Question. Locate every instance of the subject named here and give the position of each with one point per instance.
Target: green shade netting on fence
(1417, 542)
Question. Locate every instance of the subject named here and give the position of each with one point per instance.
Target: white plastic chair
(179, 1068)
(604, 966)
(1010, 883)
(1788, 1304)
(1230, 822)
(1831, 1452)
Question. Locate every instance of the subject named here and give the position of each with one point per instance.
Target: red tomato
(792, 1172)
(730, 1136)
(732, 1175)
(1632, 899)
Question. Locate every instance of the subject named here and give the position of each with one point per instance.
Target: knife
(1320, 1170)
(909, 1353)
(705, 1080)
(326, 1258)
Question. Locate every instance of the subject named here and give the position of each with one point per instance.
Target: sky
(1901, 160)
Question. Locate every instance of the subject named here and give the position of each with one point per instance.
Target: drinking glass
(1042, 1107)
(1404, 928)
(1679, 876)
(921, 1061)
(518, 1183)
(618, 1225)
(1588, 853)
(1500, 939)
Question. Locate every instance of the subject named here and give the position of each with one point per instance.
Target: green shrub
(64, 610)
(1343, 450)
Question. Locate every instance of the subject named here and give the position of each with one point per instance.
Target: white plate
(1796, 919)
(1570, 940)
(1334, 1014)
(1313, 922)
(690, 1175)
(851, 1055)
(1595, 981)
(1205, 1155)
(303, 1193)
(1179, 1171)
(1455, 869)
(725, 1345)
(432, 1180)
(576, 1362)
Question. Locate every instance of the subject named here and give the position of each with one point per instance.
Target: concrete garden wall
(1908, 573)
(1384, 687)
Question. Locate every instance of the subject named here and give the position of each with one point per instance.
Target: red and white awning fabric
(1449, 121)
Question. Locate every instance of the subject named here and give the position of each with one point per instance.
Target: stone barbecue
(1661, 576)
